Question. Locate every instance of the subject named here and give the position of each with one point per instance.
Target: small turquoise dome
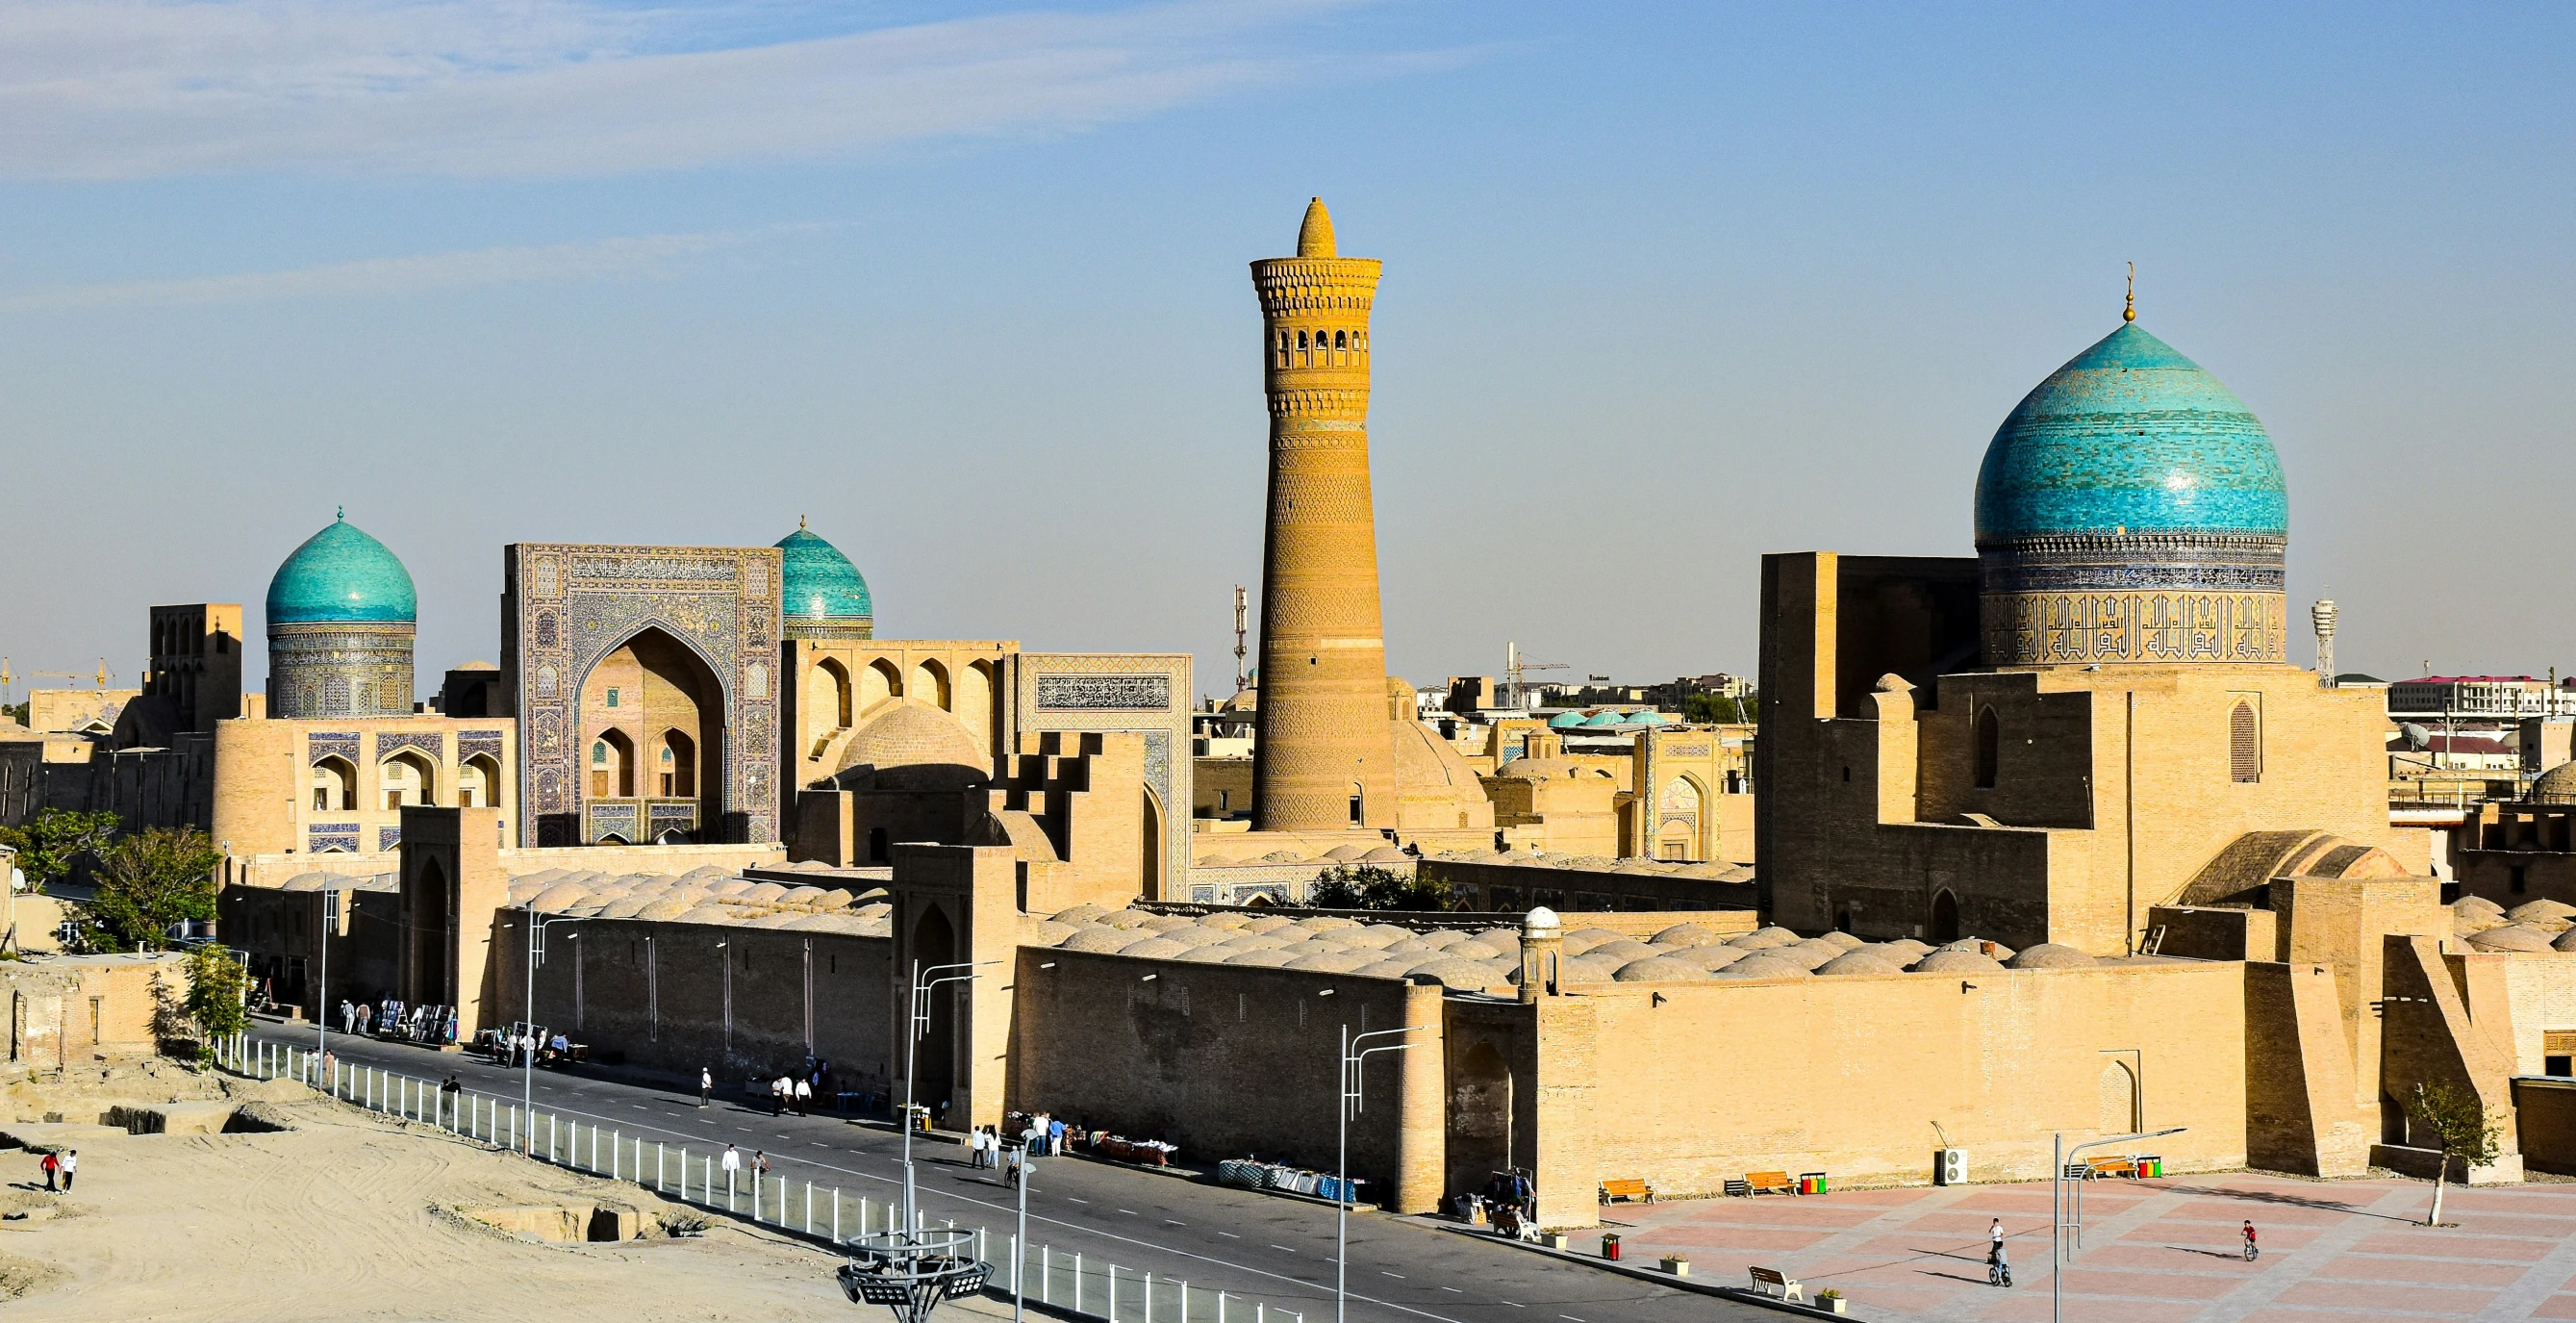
(2130, 437)
(1605, 717)
(341, 575)
(1563, 720)
(817, 582)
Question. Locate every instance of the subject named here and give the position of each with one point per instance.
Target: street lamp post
(2058, 1154)
(1349, 1092)
(528, 1065)
(1020, 1244)
(920, 1014)
(322, 986)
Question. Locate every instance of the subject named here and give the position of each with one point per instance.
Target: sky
(1667, 287)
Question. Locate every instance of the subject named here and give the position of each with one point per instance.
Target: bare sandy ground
(352, 1217)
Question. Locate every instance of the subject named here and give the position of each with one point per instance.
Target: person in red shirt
(2252, 1252)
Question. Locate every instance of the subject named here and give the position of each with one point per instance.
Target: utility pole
(1351, 1063)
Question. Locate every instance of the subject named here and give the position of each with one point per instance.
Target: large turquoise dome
(341, 575)
(2128, 437)
(817, 582)
(2131, 509)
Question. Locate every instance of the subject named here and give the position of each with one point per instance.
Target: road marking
(1516, 1304)
(1128, 1211)
(1570, 1318)
(1079, 1201)
(1229, 1235)
(1396, 1275)
(1170, 1223)
(1453, 1290)
(1283, 1249)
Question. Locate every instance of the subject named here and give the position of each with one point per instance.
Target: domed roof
(914, 746)
(341, 575)
(1604, 717)
(817, 582)
(1564, 719)
(2130, 436)
(2555, 786)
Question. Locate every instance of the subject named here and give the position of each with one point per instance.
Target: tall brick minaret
(1322, 757)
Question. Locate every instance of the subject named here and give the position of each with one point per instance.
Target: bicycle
(2252, 1253)
(1998, 1273)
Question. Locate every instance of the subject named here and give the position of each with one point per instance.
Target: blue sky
(1667, 287)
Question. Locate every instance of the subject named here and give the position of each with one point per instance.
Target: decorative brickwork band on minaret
(1322, 758)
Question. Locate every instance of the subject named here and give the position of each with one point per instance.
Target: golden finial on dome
(2129, 312)
(800, 523)
(1315, 237)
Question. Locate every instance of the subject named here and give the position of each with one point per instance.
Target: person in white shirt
(732, 1164)
(804, 1098)
(706, 1085)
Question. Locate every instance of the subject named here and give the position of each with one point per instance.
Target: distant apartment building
(2505, 696)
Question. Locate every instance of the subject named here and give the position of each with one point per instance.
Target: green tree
(148, 881)
(1369, 887)
(216, 983)
(50, 843)
(2463, 1126)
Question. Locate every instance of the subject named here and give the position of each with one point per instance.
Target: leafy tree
(216, 982)
(148, 881)
(1369, 887)
(48, 845)
(1707, 709)
(2466, 1130)
(15, 712)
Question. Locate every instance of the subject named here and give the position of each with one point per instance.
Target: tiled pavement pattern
(2158, 1251)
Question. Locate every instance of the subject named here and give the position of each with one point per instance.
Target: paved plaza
(2156, 1251)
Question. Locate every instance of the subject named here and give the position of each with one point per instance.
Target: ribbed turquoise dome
(2130, 437)
(341, 575)
(817, 582)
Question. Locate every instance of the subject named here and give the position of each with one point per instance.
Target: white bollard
(657, 1165)
(809, 1208)
(1077, 1281)
(836, 1215)
(616, 1149)
(1046, 1274)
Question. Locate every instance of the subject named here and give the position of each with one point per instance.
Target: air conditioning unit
(1950, 1166)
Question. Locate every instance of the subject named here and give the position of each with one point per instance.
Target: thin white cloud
(630, 256)
(141, 88)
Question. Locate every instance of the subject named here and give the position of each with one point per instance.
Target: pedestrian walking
(804, 1098)
(1055, 1138)
(447, 1098)
(1014, 1166)
(759, 1162)
(706, 1086)
(51, 1164)
(71, 1164)
(778, 1095)
(732, 1164)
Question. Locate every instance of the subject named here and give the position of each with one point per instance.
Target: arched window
(612, 767)
(2244, 744)
(679, 765)
(1359, 805)
(1283, 349)
(1341, 340)
(1301, 339)
(335, 786)
(1989, 747)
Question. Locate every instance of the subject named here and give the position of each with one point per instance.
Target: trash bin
(1813, 1182)
(1610, 1246)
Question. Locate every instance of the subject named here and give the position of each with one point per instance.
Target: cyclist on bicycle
(2252, 1251)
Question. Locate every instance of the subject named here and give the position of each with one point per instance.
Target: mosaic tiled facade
(339, 670)
(1111, 692)
(568, 606)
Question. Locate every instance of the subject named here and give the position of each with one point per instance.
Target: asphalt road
(1255, 1247)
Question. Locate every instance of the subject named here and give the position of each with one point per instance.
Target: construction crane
(1513, 667)
(8, 677)
(1242, 603)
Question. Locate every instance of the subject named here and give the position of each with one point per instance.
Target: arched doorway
(1944, 926)
(654, 714)
(1150, 876)
(432, 942)
(877, 684)
(1480, 1118)
(934, 943)
(929, 684)
(827, 696)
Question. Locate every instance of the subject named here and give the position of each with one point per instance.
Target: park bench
(2112, 1166)
(1632, 1188)
(1769, 1182)
(1770, 1281)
